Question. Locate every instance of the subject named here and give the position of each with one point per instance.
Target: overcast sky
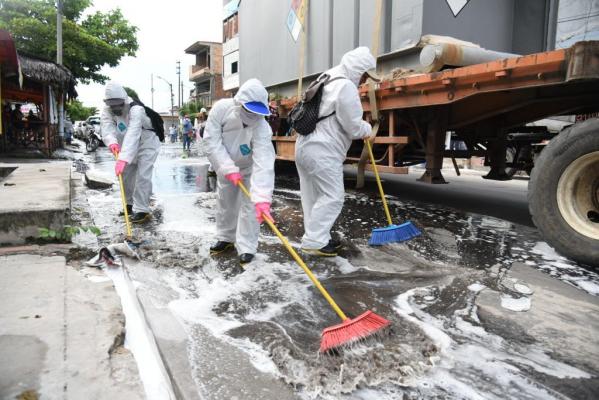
(166, 29)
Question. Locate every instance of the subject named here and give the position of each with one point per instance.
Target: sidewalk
(32, 196)
(61, 333)
(62, 328)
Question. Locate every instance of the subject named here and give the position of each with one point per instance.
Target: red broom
(350, 330)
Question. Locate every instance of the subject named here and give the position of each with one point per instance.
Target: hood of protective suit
(356, 62)
(252, 90)
(115, 90)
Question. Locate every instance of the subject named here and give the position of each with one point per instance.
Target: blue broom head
(393, 234)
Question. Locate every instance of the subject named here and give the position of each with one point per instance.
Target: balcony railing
(198, 71)
(204, 98)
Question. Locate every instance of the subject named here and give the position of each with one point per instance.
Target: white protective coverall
(234, 146)
(319, 156)
(139, 146)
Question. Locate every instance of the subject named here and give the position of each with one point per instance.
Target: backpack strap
(329, 80)
(325, 117)
(326, 79)
(137, 103)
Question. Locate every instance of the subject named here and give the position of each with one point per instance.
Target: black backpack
(155, 118)
(304, 115)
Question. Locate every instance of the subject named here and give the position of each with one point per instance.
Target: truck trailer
(484, 72)
(487, 106)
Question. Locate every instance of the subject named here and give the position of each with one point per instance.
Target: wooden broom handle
(124, 201)
(378, 181)
(298, 260)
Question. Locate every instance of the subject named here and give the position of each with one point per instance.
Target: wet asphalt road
(427, 287)
(469, 192)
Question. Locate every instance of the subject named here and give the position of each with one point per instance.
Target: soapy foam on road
(475, 364)
(278, 327)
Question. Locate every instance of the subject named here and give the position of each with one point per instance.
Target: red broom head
(351, 330)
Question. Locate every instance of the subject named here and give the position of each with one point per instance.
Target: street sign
(456, 6)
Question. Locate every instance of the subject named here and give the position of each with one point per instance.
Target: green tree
(191, 109)
(78, 112)
(89, 42)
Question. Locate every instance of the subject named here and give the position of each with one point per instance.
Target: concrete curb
(171, 341)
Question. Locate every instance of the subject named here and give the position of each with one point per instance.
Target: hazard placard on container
(294, 25)
(456, 6)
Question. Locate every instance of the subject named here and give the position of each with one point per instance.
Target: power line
(577, 17)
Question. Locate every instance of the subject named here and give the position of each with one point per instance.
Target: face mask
(117, 109)
(249, 118)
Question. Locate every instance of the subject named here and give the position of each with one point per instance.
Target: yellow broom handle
(124, 201)
(297, 259)
(378, 181)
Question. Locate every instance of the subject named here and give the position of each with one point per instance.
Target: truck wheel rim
(578, 195)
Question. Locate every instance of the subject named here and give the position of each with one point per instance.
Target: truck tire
(563, 192)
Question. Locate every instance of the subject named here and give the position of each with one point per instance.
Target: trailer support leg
(497, 158)
(435, 147)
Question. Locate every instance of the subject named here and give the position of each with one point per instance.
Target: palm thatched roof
(48, 73)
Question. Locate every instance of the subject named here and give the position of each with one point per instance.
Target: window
(235, 25)
(230, 28)
(234, 67)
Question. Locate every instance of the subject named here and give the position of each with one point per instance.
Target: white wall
(230, 80)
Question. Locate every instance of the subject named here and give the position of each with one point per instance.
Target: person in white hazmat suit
(319, 155)
(238, 144)
(128, 133)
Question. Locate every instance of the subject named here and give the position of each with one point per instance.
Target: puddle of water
(475, 364)
(172, 177)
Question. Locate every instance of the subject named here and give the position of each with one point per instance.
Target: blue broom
(391, 233)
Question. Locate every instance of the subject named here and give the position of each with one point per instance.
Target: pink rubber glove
(115, 148)
(261, 210)
(234, 178)
(120, 167)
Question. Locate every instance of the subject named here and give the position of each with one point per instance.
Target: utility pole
(179, 84)
(182, 93)
(170, 85)
(59, 33)
(152, 88)
(59, 62)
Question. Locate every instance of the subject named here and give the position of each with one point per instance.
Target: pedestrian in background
(173, 133)
(187, 132)
(201, 124)
(68, 130)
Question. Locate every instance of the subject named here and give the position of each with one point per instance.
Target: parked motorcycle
(92, 140)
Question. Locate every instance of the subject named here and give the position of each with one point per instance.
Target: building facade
(231, 46)
(206, 73)
(30, 93)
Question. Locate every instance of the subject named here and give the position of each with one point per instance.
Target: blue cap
(257, 108)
